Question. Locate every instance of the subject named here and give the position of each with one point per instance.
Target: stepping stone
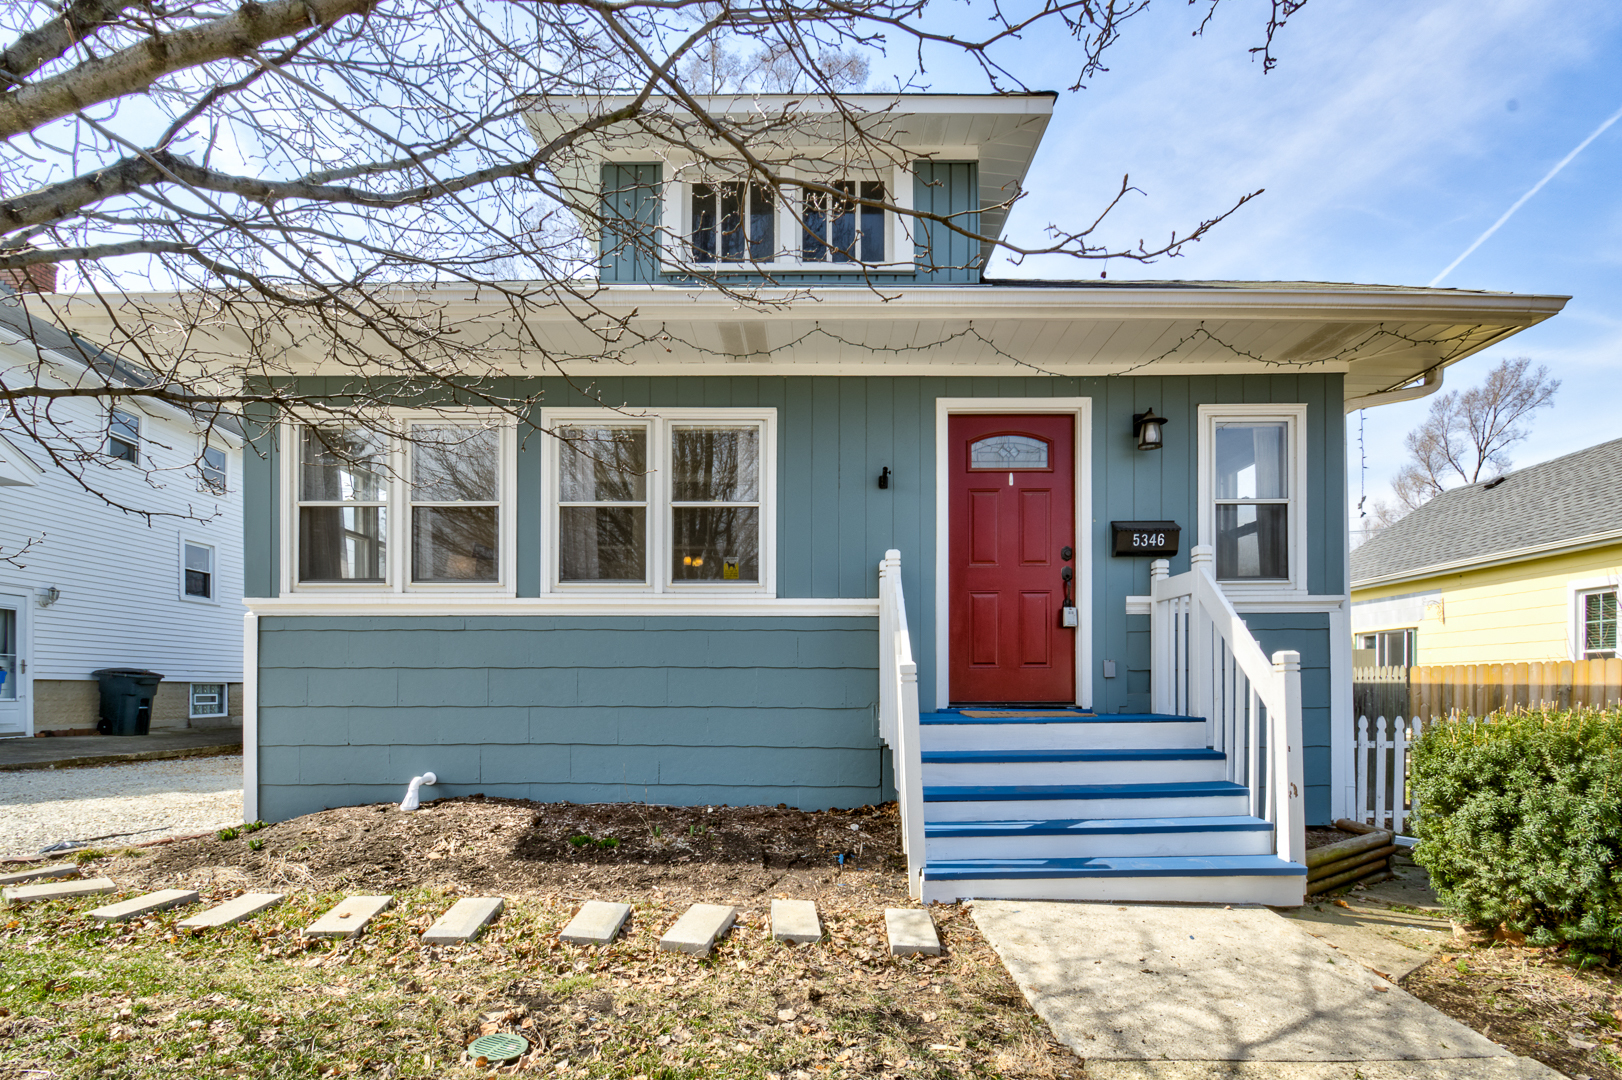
(911, 930)
(37, 873)
(232, 911)
(465, 921)
(597, 923)
(144, 905)
(57, 890)
(349, 917)
(696, 931)
(796, 921)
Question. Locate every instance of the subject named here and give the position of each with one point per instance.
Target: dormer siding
(631, 207)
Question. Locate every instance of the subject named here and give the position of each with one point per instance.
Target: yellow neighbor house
(1522, 568)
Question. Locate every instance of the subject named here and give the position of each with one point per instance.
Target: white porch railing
(1206, 663)
(898, 715)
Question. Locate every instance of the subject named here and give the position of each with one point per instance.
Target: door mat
(1004, 713)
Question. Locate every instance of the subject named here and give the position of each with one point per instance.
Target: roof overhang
(1379, 338)
(1497, 558)
(999, 131)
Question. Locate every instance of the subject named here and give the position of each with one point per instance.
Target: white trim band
(640, 604)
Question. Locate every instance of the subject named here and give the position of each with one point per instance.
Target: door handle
(1066, 575)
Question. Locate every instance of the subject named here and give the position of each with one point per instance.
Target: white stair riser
(961, 773)
(1173, 806)
(1082, 846)
(1128, 735)
(1276, 891)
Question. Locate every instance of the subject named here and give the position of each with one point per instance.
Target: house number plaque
(1156, 538)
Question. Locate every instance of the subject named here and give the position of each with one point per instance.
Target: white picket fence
(1382, 797)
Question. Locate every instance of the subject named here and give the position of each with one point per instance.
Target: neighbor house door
(1012, 525)
(13, 659)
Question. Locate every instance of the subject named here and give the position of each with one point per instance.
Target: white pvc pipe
(411, 802)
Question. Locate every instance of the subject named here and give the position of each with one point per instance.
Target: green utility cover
(499, 1048)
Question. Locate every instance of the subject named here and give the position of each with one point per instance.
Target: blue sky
(1388, 138)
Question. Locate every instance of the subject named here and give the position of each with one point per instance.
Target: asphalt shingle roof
(1565, 499)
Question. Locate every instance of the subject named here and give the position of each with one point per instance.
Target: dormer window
(839, 230)
(733, 221)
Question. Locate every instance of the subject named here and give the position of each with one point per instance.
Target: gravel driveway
(118, 803)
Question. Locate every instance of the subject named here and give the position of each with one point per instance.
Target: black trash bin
(126, 700)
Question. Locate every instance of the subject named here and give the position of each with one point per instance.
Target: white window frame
(213, 550)
(397, 531)
(1295, 417)
(677, 216)
(204, 484)
(191, 701)
(1580, 591)
(659, 581)
(112, 438)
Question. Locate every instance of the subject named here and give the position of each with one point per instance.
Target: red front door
(1012, 510)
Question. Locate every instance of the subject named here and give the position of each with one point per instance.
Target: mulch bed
(1533, 1003)
(518, 847)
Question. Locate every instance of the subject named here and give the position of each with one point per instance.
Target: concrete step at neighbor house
(1214, 879)
(1108, 766)
(951, 841)
(1026, 802)
(952, 730)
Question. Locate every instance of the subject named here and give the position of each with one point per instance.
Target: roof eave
(1502, 558)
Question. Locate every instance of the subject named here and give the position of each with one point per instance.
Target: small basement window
(198, 571)
(124, 436)
(208, 699)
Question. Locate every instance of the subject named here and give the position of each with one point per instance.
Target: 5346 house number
(1157, 538)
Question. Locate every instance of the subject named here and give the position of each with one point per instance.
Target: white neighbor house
(102, 588)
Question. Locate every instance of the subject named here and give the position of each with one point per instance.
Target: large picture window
(425, 508)
(1251, 508)
(661, 503)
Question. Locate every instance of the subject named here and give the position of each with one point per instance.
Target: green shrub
(229, 833)
(1520, 818)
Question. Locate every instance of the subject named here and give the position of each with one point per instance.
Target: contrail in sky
(1520, 202)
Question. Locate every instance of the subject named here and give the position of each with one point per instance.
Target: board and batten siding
(836, 433)
(119, 573)
(662, 710)
(632, 209)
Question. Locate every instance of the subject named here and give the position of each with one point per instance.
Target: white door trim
(1082, 409)
(23, 601)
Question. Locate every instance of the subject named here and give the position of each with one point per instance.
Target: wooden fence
(1440, 691)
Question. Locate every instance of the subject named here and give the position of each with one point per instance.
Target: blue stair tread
(1020, 792)
(1096, 826)
(1018, 756)
(954, 716)
(1114, 866)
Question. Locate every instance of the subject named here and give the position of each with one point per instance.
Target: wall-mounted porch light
(47, 597)
(1146, 429)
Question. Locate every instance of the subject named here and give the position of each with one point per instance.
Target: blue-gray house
(675, 593)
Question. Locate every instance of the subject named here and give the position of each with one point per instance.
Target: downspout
(1432, 383)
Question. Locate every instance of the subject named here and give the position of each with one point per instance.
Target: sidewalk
(1167, 992)
(76, 751)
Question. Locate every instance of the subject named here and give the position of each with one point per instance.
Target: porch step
(991, 802)
(1069, 766)
(952, 841)
(951, 730)
(1254, 879)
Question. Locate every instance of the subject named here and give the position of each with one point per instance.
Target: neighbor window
(836, 229)
(211, 470)
(124, 436)
(733, 221)
(197, 570)
(665, 501)
(1597, 614)
(208, 699)
(342, 505)
(1391, 648)
(8, 654)
(1251, 482)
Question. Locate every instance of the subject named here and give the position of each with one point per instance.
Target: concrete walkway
(1172, 992)
(78, 751)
